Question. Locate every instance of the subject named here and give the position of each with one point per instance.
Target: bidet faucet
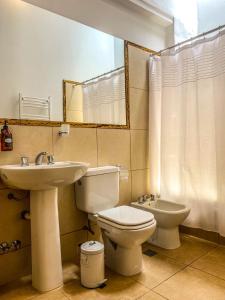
(41, 155)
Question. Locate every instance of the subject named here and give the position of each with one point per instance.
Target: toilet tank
(98, 189)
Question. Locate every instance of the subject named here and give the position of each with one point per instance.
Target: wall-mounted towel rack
(34, 108)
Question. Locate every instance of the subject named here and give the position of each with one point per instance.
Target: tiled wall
(96, 146)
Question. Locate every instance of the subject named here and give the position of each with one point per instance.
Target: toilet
(124, 228)
(169, 215)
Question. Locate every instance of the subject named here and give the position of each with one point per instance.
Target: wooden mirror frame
(96, 125)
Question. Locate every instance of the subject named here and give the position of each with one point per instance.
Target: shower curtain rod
(112, 71)
(193, 38)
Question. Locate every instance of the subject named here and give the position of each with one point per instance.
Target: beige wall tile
(138, 109)
(138, 68)
(97, 236)
(70, 245)
(80, 145)
(12, 226)
(70, 218)
(114, 147)
(125, 191)
(139, 149)
(14, 265)
(27, 141)
(140, 183)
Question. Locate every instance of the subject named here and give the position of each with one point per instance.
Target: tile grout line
(149, 290)
(187, 264)
(201, 256)
(207, 273)
(81, 229)
(185, 267)
(64, 293)
(131, 173)
(193, 267)
(137, 88)
(97, 146)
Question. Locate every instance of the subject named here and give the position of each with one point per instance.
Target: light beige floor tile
(114, 147)
(156, 269)
(213, 262)
(120, 287)
(18, 290)
(55, 295)
(192, 284)
(138, 109)
(75, 291)
(117, 288)
(70, 272)
(151, 296)
(191, 249)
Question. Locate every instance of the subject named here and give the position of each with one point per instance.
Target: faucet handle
(152, 197)
(24, 161)
(50, 159)
(140, 200)
(146, 197)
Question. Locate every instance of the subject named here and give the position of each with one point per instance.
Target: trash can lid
(92, 247)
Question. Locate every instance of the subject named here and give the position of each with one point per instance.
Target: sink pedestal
(45, 237)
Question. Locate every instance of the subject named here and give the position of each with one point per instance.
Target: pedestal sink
(43, 182)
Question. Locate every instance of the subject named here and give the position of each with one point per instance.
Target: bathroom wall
(111, 17)
(96, 146)
(40, 48)
(210, 14)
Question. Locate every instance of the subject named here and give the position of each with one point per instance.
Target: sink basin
(42, 177)
(43, 182)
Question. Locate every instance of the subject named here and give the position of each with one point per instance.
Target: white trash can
(92, 264)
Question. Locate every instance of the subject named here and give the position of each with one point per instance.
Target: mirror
(36, 59)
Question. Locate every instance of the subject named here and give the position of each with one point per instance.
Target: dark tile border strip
(204, 234)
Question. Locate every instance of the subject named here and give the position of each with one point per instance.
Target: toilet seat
(126, 218)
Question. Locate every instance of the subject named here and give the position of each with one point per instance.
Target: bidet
(169, 215)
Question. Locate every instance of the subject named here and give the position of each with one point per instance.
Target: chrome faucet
(39, 158)
(24, 161)
(143, 199)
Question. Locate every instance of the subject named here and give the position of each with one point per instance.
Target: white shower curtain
(187, 130)
(104, 99)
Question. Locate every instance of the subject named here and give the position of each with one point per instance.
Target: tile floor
(195, 271)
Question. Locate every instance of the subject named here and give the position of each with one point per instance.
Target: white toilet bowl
(169, 215)
(124, 229)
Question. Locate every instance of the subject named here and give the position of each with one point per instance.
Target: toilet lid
(126, 215)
